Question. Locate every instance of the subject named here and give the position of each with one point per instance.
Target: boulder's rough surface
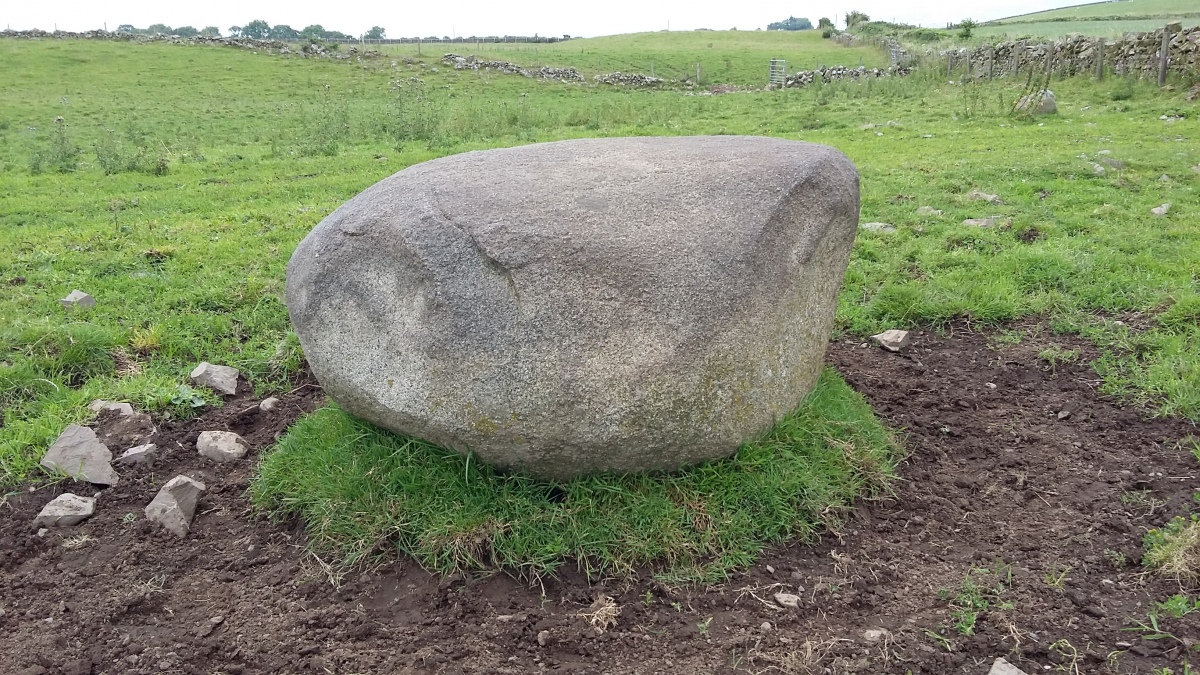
(1039, 103)
(221, 446)
(65, 510)
(615, 304)
(222, 379)
(175, 505)
(79, 454)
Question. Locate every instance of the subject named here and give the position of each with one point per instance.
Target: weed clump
(1174, 549)
(61, 155)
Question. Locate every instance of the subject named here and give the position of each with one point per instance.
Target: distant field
(1110, 29)
(734, 57)
(1127, 8)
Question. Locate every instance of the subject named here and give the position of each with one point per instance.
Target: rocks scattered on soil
(1161, 210)
(221, 446)
(886, 228)
(981, 196)
(789, 600)
(140, 455)
(222, 379)
(893, 340)
(929, 211)
(175, 505)
(1098, 169)
(79, 454)
(65, 510)
(268, 404)
(121, 408)
(1038, 103)
(1003, 667)
(78, 298)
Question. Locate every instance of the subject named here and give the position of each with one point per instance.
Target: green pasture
(1124, 9)
(1053, 29)
(725, 56)
(179, 179)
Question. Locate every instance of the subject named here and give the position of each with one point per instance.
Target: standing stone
(78, 298)
(221, 446)
(611, 304)
(65, 510)
(79, 454)
(222, 379)
(175, 505)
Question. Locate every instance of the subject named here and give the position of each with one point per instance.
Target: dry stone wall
(266, 46)
(545, 72)
(1134, 54)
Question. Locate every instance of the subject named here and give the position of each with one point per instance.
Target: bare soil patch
(1037, 479)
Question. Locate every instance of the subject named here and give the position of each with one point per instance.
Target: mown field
(179, 179)
(1101, 19)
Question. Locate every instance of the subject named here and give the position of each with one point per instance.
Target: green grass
(729, 57)
(364, 491)
(1126, 9)
(181, 179)
(1051, 29)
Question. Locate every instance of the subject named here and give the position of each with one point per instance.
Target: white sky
(493, 17)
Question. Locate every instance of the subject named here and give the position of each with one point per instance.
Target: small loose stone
(221, 446)
(78, 298)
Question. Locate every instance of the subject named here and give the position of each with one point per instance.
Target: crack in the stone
(491, 262)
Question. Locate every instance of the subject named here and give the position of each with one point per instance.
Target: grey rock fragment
(1098, 169)
(787, 600)
(221, 446)
(1002, 667)
(878, 227)
(65, 510)
(980, 222)
(1161, 210)
(928, 211)
(124, 409)
(874, 634)
(175, 505)
(222, 379)
(268, 404)
(1113, 163)
(1039, 103)
(980, 196)
(139, 455)
(892, 340)
(79, 454)
(78, 298)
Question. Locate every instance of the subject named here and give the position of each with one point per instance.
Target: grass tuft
(1174, 550)
(362, 492)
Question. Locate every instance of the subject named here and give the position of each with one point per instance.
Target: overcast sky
(493, 17)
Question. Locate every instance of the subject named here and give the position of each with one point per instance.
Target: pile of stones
(628, 79)
(804, 78)
(79, 453)
(472, 62)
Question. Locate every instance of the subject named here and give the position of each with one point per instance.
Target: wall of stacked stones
(1134, 54)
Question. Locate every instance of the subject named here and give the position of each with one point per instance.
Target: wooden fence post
(1162, 57)
(991, 63)
(1100, 59)
(950, 65)
(697, 74)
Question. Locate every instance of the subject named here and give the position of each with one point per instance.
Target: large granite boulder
(615, 304)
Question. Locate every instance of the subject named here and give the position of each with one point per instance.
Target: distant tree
(235, 31)
(792, 23)
(258, 30)
(210, 31)
(282, 31)
(965, 28)
(854, 18)
(159, 29)
(376, 33)
(185, 31)
(824, 22)
(313, 32)
(335, 35)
